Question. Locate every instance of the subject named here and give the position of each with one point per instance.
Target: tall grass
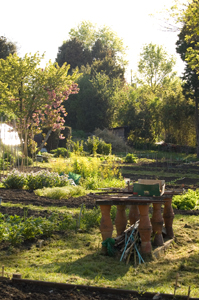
(96, 172)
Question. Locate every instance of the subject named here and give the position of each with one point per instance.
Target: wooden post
(120, 219)
(157, 224)
(145, 229)
(106, 226)
(168, 216)
(134, 214)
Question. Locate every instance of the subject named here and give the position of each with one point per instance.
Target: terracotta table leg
(157, 224)
(106, 226)
(145, 229)
(134, 214)
(168, 216)
(120, 219)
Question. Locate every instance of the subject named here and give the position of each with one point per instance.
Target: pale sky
(43, 25)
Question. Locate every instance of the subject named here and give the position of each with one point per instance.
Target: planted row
(16, 229)
(37, 180)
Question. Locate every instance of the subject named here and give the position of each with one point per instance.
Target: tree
(96, 103)
(88, 34)
(6, 47)
(191, 19)
(155, 68)
(35, 95)
(74, 53)
(188, 48)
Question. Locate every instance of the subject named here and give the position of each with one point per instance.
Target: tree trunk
(197, 126)
(45, 140)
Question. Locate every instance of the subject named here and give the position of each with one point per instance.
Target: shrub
(60, 152)
(4, 165)
(130, 158)
(186, 201)
(45, 178)
(95, 145)
(90, 218)
(14, 180)
(117, 143)
(27, 161)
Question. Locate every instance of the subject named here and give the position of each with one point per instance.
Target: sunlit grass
(76, 258)
(62, 192)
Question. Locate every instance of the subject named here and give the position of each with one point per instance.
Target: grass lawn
(75, 257)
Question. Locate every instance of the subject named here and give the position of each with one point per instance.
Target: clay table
(139, 210)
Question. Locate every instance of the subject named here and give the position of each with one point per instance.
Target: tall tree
(155, 67)
(88, 34)
(35, 95)
(188, 48)
(6, 47)
(96, 103)
(74, 53)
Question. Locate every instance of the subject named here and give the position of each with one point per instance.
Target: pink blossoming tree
(35, 96)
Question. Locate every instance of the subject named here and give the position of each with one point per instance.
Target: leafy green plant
(96, 145)
(90, 218)
(130, 158)
(15, 180)
(186, 201)
(60, 152)
(27, 161)
(45, 178)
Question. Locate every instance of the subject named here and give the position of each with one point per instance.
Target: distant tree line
(156, 105)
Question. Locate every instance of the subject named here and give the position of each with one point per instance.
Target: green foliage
(62, 192)
(33, 181)
(60, 152)
(78, 147)
(45, 178)
(155, 66)
(94, 171)
(15, 180)
(27, 161)
(4, 165)
(35, 95)
(117, 143)
(90, 218)
(186, 201)
(130, 158)
(96, 145)
(6, 47)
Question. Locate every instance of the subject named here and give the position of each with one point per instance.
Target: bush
(45, 178)
(14, 180)
(186, 201)
(96, 145)
(90, 218)
(4, 165)
(27, 161)
(130, 158)
(60, 152)
(117, 143)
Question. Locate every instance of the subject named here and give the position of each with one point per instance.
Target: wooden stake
(2, 271)
(189, 290)
(177, 276)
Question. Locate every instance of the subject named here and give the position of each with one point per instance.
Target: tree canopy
(155, 67)
(6, 47)
(35, 95)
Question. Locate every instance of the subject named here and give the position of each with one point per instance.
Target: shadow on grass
(90, 266)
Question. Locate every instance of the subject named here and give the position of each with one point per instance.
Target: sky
(43, 25)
